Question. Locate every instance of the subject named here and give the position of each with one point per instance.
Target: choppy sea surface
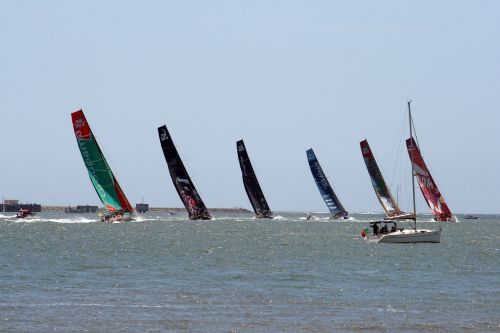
(69, 273)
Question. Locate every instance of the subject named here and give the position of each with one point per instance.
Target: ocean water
(69, 273)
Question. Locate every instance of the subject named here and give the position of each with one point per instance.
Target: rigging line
(396, 156)
(418, 145)
(415, 132)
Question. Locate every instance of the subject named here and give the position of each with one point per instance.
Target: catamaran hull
(407, 236)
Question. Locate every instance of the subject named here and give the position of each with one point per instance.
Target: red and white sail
(427, 184)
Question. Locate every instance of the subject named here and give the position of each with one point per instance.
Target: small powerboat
(24, 213)
(471, 217)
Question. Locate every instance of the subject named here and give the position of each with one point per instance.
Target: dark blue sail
(326, 191)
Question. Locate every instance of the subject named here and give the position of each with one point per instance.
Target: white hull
(409, 216)
(407, 236)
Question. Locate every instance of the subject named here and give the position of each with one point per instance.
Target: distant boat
(24, 213)
(311, 217)
(252, 187)
(182, 182)
(388, 231)
(337, 211)
(471, 217)
(428, 186)
(384, 196)
(101, 176)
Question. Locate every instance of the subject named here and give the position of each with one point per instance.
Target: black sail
(182, 182)
(251, 183)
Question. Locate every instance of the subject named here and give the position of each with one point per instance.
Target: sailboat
(337, 211)
(382, 191)
(428, 186)
(105, 183)
(252, 187)
(184, 186)
(388, 231)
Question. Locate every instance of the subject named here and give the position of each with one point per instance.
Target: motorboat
(24, 213)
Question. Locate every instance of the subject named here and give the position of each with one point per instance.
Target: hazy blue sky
(283, 75)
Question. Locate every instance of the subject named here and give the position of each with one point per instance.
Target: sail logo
(79, 123)
(89, 163)
(425, 181)
(163, 135)
(321, 176)
(365, 152)
(181, 180)
(81, 128)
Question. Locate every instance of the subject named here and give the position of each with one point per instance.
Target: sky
(283, 75)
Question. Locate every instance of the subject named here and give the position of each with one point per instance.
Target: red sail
(127, 207)
(427, 184)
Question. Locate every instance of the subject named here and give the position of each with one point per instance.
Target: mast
(412, 167)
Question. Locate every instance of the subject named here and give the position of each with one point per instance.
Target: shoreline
(161, 209)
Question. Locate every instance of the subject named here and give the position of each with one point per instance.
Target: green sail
(100, 173)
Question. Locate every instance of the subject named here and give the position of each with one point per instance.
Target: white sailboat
(388, 231)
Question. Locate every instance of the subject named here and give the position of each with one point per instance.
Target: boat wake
(44, 220)
(139, 218)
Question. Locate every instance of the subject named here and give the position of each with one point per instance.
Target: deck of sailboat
(407, 236)
(402, 217)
